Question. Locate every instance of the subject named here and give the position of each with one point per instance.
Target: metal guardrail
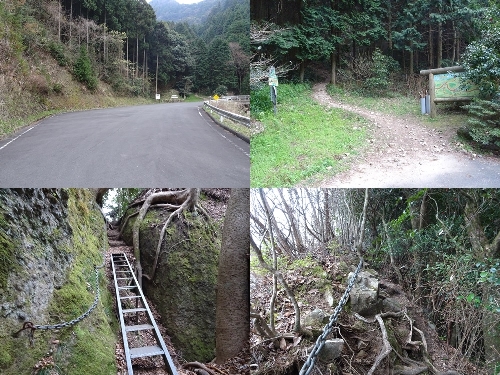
(241, 98)
(232, 116)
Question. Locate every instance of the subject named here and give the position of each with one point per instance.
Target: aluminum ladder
(128, 292)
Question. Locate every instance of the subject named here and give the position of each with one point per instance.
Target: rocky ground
(318, 286)
(405, 153)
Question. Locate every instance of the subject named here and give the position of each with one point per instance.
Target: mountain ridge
(171, 10)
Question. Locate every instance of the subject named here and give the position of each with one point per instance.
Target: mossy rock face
(53, 237)
(184, 285)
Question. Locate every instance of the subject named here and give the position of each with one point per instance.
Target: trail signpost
(448, 85)
(273, 83)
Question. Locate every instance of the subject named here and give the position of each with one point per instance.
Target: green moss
(7, 256)
(93, 352)
(5, 356)
(91, 342)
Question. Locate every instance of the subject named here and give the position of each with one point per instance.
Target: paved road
(160, 145)
(447, 171)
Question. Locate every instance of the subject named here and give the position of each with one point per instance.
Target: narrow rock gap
(147, 365)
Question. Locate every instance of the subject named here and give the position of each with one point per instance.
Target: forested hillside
(415, 34)
(113, 48)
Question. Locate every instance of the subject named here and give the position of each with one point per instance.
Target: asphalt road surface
(159, 145)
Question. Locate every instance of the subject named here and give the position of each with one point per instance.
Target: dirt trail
(405, 153)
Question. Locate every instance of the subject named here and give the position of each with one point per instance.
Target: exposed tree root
(261, 325)
(126, 221)
(189, 203)
(198, 368)
(414, 367)
(387, 345)
(182, 199)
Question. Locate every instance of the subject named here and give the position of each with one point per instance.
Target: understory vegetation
(302, 139)
(435, 254)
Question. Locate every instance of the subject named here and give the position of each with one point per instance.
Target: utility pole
(156, 74)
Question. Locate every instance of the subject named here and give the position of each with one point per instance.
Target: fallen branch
(286, 336)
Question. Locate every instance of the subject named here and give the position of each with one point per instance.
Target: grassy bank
(19, 112)
(304, 141)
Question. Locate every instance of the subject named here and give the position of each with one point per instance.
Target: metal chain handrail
(320, 342)
(32, 327)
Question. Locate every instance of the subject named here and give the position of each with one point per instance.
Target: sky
(184, 1)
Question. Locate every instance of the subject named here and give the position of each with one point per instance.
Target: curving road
(163, 145)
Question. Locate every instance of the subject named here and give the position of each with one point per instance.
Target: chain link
(32, 327)
(320, 342)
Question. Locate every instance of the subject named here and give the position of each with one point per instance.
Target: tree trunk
(333, 79)
(389, 24)
(302, 70)
(482, 250)
(361, 236)
(440, 45)
(431, 47)
(299, 246)
(59, 22)
(137, 56)
(70, 22)
(411, 62)
(233, 284)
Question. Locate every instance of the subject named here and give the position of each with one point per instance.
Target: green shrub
(381, 67)
(83, 70)
(57, 51)
(221, 90)
(481, 68)
(484, 122)
(260, 101)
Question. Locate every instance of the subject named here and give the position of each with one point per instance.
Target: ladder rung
(124, 278)
(139, 327)
(126, 311)
(145, 351)
(130, 297)
(127, 287)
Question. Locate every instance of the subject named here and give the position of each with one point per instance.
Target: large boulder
(315, 321)
(184, 286)
(364, 294)
(331, 350)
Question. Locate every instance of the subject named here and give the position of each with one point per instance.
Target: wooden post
(432, 93)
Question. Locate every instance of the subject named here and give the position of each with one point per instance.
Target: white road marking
(223, 136)
(12, 140)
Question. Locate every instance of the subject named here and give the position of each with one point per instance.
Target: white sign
(157, 96)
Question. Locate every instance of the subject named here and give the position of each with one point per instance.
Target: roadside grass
(193, 98)
(303, 142)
